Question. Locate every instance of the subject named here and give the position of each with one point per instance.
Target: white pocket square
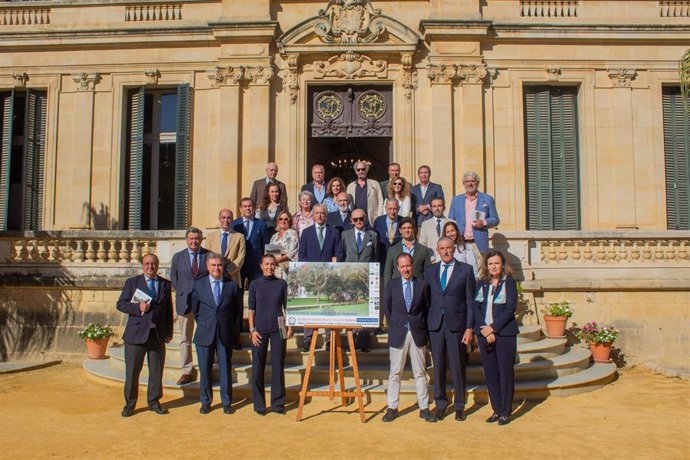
(369, 243)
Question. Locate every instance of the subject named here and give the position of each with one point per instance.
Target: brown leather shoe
(185, 379)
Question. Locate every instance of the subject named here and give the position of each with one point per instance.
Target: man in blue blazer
(451, 287)
(317, 186)
(214, 302)
(149, 327)
(406, 301)
(187, 266)
(388, 229)
(340, 219)
(423, 193)
(319, 243)
(256, 238)
(464, 207)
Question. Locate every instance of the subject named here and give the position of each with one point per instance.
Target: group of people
(430, 264)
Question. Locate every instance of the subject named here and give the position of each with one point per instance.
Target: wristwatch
(254, 330)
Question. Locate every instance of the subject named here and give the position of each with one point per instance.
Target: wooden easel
(336, 351)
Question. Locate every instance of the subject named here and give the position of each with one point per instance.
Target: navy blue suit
(309, 187)
(214, 333)
(310, 251)
(384, 243)
(256, 242)
(450, 314)
(498, 358)
(432, 191)
(399, 319)
(334, 220)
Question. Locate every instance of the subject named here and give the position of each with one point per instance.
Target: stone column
(256, 125)
(469, 152)
(441, 155)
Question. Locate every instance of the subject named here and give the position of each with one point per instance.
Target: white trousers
(186, 325)
(398, 357)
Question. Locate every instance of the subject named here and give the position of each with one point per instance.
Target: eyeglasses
(283, 219)
(357, 219)
(360, 169)
(398, 184)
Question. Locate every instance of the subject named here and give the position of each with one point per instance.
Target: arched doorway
(348, 123)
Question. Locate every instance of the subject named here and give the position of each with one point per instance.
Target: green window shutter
(677, 159)
(551, 151)
(136, 158)
(182, 154)
(7, 106)
(34, 163)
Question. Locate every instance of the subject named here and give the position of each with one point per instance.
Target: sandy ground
(60, 412)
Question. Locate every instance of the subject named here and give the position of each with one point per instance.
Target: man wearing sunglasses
(366, 192)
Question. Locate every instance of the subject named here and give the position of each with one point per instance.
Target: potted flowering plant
(600, 338)
(555, 317)
(96, 337)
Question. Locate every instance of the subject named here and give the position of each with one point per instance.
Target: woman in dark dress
(272, 205)
(494, 323)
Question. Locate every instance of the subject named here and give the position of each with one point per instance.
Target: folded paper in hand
(140, 296)
(478, 215)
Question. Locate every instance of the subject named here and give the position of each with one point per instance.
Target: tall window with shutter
(22, 159)
(551, 151)
(677, 159)
(157, 161)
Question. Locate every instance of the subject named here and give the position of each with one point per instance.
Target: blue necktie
(438, 227)
(444, 277)
(152, 288)
(321, 238)
(246, 228)
(359, 242)
(223, 244)
(216, 292)
(408, 295)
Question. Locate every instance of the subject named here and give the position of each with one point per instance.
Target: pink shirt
(470, 206)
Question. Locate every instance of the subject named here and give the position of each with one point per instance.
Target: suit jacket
(309, 187)
(428, 236)
(455, 303)
(504, 323)
(309, 250)
(211, 318)
(334, 220)
(399, 319)
(182, 279)
(485, 203)
(375, 204)
(259, 187)
(254, 247)
(160, 313)
(432, 191)
(234, 253)
(271, 222)
(370, 246)
(421, 258)
(384, 188)
(381, 229)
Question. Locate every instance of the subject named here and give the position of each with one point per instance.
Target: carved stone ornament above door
(350, 66)
(349, 21)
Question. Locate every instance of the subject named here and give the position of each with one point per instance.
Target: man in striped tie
(451, 287)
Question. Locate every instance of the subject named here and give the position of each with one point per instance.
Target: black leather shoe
(427, 416)
(492, 419)
(228, 410)
(127, 411)
(260, 412)
(279, 411)
(440, 414)
(460, 415)
(158, 409)
(205, 409)
(390, 415)
(504, 420)
(366, 349)
(306, 347)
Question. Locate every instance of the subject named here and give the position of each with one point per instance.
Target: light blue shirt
(251, 226)
(320, 194)
(407, 250)
(211, 280)
(191, 257)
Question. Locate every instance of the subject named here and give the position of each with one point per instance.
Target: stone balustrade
(548, 8)
(674, 8)
(28, 15)
(153, 12)
(89, 250)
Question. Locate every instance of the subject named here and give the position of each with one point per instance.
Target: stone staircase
(544, 367)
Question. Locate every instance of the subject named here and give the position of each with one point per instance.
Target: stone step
(573, 361)
(592, 378)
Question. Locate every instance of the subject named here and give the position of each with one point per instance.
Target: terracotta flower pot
(601, 352)
(96, 348)
(555, 326)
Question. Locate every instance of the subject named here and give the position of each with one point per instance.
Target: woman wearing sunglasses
(287, 238)
(399, 189)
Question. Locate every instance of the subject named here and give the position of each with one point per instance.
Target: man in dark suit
(187, 266)
(259, 187)
(340, 219)
(423, 193)
(319, 243)
(421, 255)
(449, 321)
(214, 301)
(360, 245)
(388, 229)
(317, 186)
(406, 300)
(149, 327)
(393, 173)
(256, 238)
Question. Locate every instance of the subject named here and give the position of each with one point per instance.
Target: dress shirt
(407, 250)
(361, 197)
(451, 265)
(156, 288)
(470, 206)
(319, 194)
(388, 225)
(192, 254)
(249, 227)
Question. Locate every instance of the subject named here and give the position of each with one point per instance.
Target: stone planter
(601, 352)
(555, 326)
(96, 348)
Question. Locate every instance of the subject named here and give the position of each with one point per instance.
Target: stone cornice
(584, 32)
(452, 28)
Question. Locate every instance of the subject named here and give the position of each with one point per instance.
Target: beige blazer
(374, 199)
(234, 255)
(428, 236)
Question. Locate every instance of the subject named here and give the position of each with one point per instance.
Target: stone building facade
(123, 120)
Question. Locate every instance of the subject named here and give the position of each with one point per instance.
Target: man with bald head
(259, 187)
(340, 219)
